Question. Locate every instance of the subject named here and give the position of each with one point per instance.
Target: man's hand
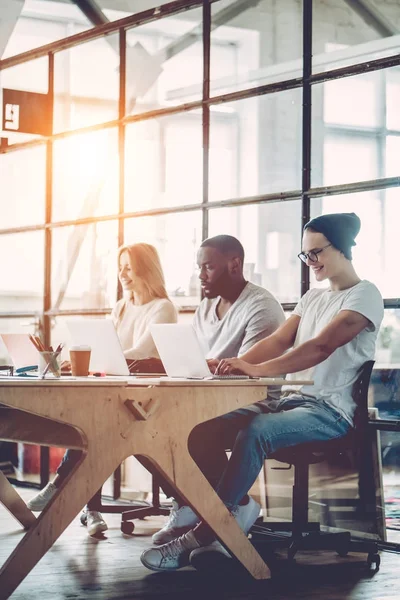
(213, 364)
(232, 366)
(145, 365)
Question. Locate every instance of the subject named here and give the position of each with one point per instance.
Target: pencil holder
(49, 362)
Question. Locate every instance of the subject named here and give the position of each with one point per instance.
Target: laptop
(107, 355)
(20, 349)
(181, 352)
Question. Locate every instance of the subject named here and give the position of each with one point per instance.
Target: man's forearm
(264, 351)
(303, 357)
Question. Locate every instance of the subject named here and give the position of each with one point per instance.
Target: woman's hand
(65, 366)
(231, 366)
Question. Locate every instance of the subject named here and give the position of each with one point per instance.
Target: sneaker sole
(98, 529)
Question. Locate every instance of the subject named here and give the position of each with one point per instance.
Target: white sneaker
(180, 521)
(171, 556)
(214, 555)
(95, 522)
(41, 500)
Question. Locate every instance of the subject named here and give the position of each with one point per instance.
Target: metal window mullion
(206, 113)
(306, 130)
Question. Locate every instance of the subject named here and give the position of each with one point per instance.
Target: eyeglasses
(313, 255)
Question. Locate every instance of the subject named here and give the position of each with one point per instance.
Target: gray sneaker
(215, 556)
(180, 521)
(171, 556)
(41, 500)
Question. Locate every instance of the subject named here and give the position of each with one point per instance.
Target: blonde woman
(145, 301)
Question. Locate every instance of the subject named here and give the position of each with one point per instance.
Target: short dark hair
(226, 244)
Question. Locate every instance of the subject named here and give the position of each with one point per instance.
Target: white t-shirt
(333, 378)
(133, 328)
(253, 316)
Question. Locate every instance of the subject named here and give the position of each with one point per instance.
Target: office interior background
(191, 120)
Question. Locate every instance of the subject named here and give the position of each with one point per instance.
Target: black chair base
(268, 537)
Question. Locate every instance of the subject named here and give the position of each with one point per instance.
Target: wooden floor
(80, 567)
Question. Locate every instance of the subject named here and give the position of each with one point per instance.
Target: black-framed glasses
(313, 255)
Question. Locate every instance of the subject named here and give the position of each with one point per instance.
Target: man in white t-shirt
(329, 336)
(233, 316)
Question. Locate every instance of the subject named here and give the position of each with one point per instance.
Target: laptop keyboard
(229, 377)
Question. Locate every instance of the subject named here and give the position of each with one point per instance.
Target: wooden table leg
(80, 486)
(14, 503)
(198, 493)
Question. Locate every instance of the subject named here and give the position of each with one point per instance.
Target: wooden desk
(110, 419)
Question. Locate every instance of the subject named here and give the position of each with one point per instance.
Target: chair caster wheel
(127, 527)
(374, 559)
(83, 519)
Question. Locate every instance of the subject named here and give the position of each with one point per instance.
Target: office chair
(133, 510)
(300, 534)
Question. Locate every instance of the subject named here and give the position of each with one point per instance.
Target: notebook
(181, 352)
(107, 355)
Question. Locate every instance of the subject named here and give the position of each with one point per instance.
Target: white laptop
(181, 352)
(107, 355)
(20, 349)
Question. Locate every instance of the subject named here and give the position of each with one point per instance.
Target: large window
(183, 143)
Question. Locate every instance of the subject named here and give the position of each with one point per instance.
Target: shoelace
(175, 548)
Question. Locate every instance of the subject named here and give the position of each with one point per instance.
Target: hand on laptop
(235, 366)
(145, 365)
(213, 364)
(65, 366)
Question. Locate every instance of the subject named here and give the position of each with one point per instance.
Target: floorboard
(79, 567)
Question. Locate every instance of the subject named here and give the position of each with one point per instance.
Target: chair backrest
(360, 394)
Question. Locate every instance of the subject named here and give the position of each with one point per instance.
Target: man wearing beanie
(329, 336)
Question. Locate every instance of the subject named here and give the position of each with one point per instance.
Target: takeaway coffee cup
(80, 359)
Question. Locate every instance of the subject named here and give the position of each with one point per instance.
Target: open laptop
(107, 355)
(181, 352)
(20, 349)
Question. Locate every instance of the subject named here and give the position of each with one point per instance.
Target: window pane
(342, 35)
(164, 162)
(85, 175)
(375, 256)
(270, 234)
(255, 146)
(21, 281)
(249, 41)
(84, 266)
(393, 156)
(393, 98)
(177, 238)
(161, 57)
(346, 158)
(23, 187)
(86, 84)
(353, 101)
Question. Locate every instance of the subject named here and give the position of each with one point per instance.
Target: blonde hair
(145, 263)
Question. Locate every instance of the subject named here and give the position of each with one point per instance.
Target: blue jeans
(254, 433)
(68, 462)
